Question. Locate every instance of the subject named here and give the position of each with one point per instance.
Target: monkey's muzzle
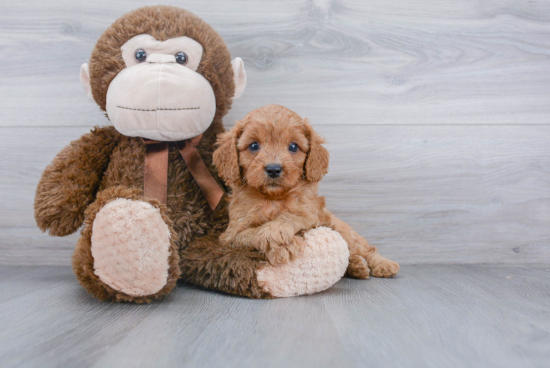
(160, 100)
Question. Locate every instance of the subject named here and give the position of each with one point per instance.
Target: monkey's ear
(85, 81)
(316, 165)
(226, 157)
(239, 75)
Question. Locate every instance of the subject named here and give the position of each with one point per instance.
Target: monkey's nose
(273, 170)
(161, 58)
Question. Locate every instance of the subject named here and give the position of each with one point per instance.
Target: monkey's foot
(322, 264)
(128, 254)
(130, 246)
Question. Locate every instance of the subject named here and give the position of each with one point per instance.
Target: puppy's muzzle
(273, 170)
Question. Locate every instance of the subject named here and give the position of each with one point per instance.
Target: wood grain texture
(436, 112)
(423, 194)
(429, 316)
(352, 62)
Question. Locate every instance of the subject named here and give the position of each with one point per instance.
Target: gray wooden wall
(436, 112)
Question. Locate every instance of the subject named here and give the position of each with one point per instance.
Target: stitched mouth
(158, 109)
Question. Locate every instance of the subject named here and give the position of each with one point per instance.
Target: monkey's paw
(322, 263)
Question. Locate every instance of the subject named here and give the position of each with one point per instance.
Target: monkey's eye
(181, 57)
(254, 146)
(293, 147)
(140, 55)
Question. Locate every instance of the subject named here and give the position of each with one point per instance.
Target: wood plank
(347, 62)
(425, 194)
(28, 246)
(444, 194)
(467, 316)
(25, 154)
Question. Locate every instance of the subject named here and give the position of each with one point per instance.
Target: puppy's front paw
(296, 246)
(277, 254)
(279, 243)
(275, 233)
(386, 268)
(284, 253)
(225, 239)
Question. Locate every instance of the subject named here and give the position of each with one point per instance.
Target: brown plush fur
(69, 184)
(207, 263)
(271, 214)
(104, 164)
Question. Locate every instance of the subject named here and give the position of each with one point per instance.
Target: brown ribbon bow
(155, 183)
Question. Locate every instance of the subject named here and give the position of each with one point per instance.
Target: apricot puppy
(273, 161)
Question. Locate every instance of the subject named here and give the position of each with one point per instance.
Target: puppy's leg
(238, 237)
(364, 258)
(277, 239)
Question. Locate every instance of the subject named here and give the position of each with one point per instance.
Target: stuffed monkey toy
(151, 204)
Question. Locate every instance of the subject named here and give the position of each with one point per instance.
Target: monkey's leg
(245, 271)
(364, 258)
(206, 263)
(126, 251)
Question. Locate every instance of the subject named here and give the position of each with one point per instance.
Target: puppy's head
(271, 150)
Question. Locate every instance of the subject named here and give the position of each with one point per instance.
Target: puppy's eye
(140, 55)
(293, 147)
(181, 58)
(254, 146)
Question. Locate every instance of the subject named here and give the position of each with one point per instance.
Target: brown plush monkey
(165, 79)
(163, 74)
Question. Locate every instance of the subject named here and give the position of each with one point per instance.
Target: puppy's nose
(273, 170)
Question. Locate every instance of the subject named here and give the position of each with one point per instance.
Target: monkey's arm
(69, 184)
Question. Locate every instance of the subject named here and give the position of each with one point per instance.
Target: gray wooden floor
(429, 316)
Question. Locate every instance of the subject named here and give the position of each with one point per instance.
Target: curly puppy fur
(84, 175)
(272, 212)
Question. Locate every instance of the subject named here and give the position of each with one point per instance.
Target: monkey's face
(162, 73)
(159, 95)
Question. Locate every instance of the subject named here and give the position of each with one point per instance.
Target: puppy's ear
(316, 165)
(226, 157)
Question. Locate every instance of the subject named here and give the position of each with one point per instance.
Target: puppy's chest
(266, 211)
